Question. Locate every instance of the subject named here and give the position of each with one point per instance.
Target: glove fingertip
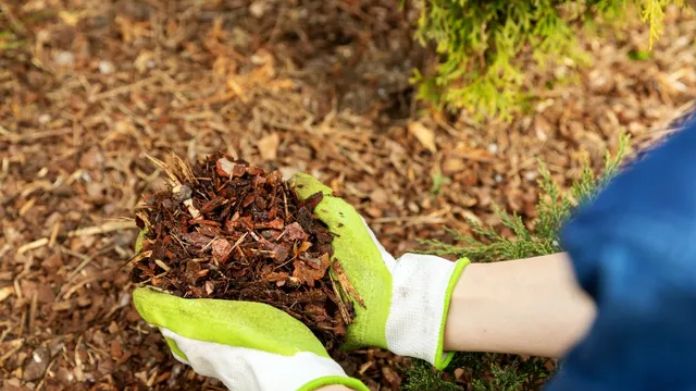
(306, 185)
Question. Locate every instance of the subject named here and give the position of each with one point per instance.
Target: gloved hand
(405, 301)
(402, 307)
(246, 345)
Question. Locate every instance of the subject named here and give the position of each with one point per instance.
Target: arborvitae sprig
(483, 45)
(487, 244)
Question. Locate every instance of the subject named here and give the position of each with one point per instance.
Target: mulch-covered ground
(88, 88)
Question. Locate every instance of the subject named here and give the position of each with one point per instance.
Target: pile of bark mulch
(228, 230)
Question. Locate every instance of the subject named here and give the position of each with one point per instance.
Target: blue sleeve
(634, 251)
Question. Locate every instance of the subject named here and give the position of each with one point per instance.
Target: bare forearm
(529, 306)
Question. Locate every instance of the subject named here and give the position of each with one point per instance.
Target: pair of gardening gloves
(253, 346)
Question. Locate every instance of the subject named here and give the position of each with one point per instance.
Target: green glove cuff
(353, 383)
(442, 359)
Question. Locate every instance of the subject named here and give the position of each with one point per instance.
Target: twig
(104, 228)
(173, 179)
(341, 305)
(87, 231)
(85, 260)
(195, 213)
(345, 284)
(122, 89)
(139, 256)
(66, 293)
(54, 233)
(33, 304)
(32, 245)
(185, 169)
(19, 343)
(14, 138)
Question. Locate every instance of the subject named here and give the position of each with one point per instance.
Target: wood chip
(6, 292)
(424, 135)
(344, 282)
(268, 146)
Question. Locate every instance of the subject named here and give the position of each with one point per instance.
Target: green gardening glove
(248, 346)
(402, 304)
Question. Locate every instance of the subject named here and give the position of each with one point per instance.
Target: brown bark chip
(228, 230)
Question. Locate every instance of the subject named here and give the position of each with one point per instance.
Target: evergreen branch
(486, 244)
(482, 46)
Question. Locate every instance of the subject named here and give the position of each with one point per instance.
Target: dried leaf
(294, 231)
(308, 271)
(268, 146)
(6, 292)
(278, 252)
(303, 247)
(423, 134)
(276, 276)
(276, 223)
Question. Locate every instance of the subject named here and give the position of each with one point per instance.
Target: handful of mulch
(228, 230)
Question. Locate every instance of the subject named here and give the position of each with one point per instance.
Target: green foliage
(481, 45)
(639, 55)
(422, 376)
(483, 372)
(439, 180)
(653, 13)
(553, 208)
(9, 41)
(503, 371)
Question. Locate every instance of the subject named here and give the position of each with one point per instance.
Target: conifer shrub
(484, 47)
(496, 372)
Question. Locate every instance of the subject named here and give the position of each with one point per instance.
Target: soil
(227, 230)
(90, 88)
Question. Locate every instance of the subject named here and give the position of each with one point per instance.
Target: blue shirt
(634, 251)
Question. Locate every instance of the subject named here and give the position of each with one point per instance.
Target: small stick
(285, 200)
(87, 231)
(122, 89)
(32, 245)
(139, 256)
(341, 305)
(195, 213)
(173, 180)
(19, 343)
(337, 268)
(54, 234)
(103, 228)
